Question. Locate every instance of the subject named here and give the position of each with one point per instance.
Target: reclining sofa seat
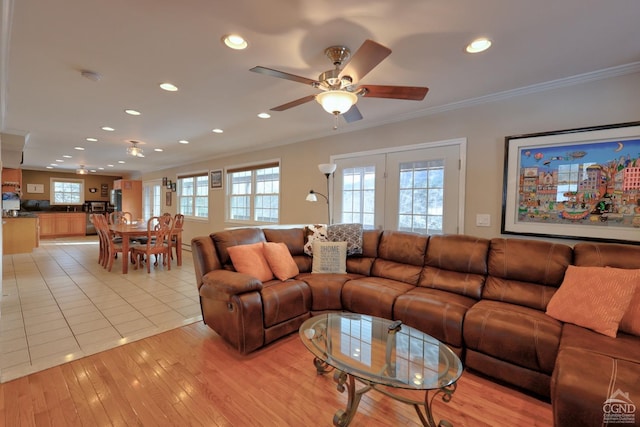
(591, 367)
(247, 313)
(507, 334)
(450, 282)
(394, 272)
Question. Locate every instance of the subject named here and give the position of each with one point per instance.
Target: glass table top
(365, 347)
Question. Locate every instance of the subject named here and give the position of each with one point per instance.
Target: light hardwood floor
(190, 377)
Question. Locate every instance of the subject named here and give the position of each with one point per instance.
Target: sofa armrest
(223, 284)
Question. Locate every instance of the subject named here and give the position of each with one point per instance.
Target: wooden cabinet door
(47, 225)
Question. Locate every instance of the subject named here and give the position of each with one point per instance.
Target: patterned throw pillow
(312, 233)
(350, 233)
(329, 257)
(595, 298)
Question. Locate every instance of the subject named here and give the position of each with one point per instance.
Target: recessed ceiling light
(235, 41)
(79, 148)
(216, 130)
(121, 162)
(183, 141)
(132, 112)
(59, 160)
(92, 170)
(110, 166)
(48, 167)
(66, 156)
(479, 45)
(159, 150)
(53, 164)
(264, 115)
(108, 128)
(168, 87)
(101, 168)
(90, 139)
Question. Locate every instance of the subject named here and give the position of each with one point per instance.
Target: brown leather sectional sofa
(484, 298)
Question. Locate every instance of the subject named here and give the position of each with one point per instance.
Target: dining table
(127, 232)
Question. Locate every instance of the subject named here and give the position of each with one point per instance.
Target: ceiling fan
(339, 86)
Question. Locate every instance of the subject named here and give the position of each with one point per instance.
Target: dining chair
(176, 230)
(102, 249)
(158, 233)
(110, 246)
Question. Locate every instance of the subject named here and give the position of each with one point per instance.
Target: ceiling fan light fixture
(82, 170)
(336, 101)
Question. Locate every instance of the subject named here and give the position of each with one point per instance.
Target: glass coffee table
(381, 355)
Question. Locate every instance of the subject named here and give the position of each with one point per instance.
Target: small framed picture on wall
(216, 179)
(168, 198)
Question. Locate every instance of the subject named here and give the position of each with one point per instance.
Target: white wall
(613, 100)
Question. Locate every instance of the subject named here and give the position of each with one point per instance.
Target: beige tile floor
(58, 304)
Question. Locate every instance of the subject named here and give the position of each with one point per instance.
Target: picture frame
(215, 179)
(167, 201)
(164, 181)
(173, 187)
(168, 184)
(581, 183)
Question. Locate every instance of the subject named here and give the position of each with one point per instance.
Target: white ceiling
(135, 45)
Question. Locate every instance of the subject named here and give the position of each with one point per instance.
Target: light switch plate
(483, 220)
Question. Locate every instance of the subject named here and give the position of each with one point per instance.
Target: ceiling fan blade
(294, 103)
(352, 115)
(364, 60)
(283, 75)
(413, 93)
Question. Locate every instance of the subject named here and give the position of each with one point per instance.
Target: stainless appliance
(96, 207)
(116, 200)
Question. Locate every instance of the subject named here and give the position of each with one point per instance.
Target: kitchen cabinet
(19, 235)
(60, 224)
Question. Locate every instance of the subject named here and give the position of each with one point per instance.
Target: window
(417, 188)
(193, 195)
(421, 195)
(66, 191)
(358, 196)
(253, 193)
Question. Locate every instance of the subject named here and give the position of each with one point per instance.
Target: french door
(416, 189)
(151, 199)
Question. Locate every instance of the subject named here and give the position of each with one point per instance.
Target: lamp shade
(327, 168)
(336, 101)
(311, 197)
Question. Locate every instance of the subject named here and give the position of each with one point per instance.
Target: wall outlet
(483, 220)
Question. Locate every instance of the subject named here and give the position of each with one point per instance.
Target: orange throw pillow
(280, 260)
(594, 297)
(249, 259)
(630, 322)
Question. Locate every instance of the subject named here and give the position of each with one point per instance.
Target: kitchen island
(20, 234)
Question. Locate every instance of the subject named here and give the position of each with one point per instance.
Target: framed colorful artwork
(579, 183)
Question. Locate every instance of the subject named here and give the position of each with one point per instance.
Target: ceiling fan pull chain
(335, 116)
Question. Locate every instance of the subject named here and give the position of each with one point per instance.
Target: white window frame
(194, 197)
(52, 192)
(253, 168)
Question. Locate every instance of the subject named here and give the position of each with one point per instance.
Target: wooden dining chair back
(158, 233)
(109, 248)
(176, 237)
(118, 217)
(102, 248)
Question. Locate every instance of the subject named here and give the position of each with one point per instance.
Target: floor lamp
(327, 169)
